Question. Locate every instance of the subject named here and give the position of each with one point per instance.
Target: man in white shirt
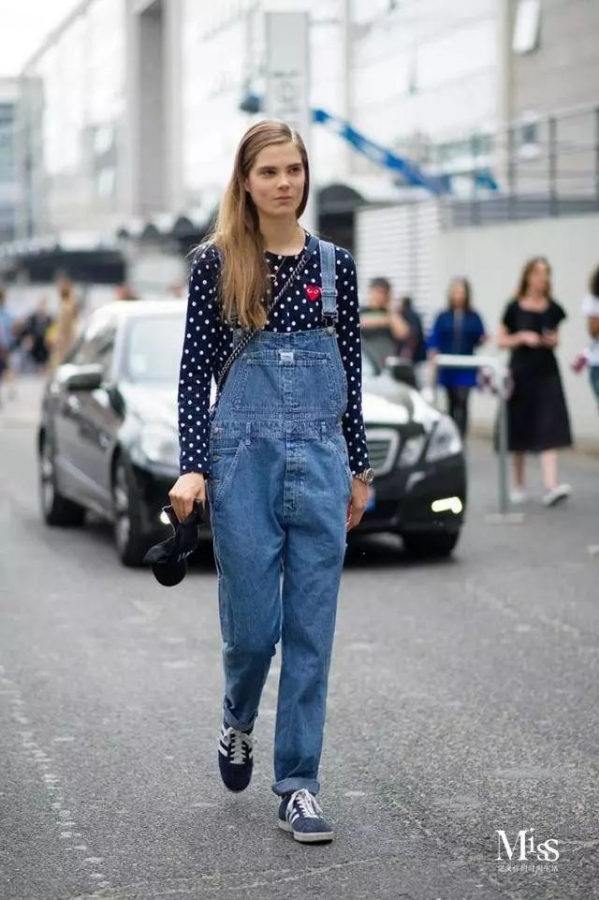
(590, 309)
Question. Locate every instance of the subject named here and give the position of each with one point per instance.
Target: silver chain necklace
(249, 335)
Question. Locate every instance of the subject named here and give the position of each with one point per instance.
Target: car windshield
(154, 346)
(153, 350)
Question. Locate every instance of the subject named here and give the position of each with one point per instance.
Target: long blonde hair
(525, 276)
(244, 274)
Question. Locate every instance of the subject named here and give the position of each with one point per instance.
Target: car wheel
(131, 543)
(56, 509)
(428, 545)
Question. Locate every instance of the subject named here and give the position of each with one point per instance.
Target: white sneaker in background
(557, 494)
(518, 496)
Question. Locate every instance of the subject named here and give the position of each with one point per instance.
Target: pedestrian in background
(33, 334)
(7, 347)
(413, 347)
(282, 455)
(125, 292)
(590, 309)
(176, 289)
(457, 330)
(538, 420)
(383, 328)
(63, 333)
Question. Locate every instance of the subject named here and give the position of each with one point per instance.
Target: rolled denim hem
(289, 785)
(231, 722)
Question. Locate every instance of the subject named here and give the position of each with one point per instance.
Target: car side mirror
(116, 400)
(85, 378)
(401, 370)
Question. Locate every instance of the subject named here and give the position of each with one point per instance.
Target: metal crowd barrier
(500, 371)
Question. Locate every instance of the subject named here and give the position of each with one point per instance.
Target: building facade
(9, 187)
(71, 134)
(130, 114)
(132, 110)
(551, 95)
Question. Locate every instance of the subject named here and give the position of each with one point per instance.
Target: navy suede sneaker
(300, 814)
(235, 757)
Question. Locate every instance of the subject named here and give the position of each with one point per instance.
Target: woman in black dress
(538, 420)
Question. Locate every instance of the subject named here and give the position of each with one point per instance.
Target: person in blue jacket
(457, 330)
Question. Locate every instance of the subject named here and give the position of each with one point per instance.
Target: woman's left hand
(549, 339)
(357, 504)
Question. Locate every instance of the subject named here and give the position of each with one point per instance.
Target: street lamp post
(347, 69)
(287, 97)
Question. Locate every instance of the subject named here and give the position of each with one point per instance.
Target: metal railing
(540, 166)
(500, 372)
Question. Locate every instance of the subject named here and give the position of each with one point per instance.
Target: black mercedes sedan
(107, 440)
(419, 490)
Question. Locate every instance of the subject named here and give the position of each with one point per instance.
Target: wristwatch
(367, 476)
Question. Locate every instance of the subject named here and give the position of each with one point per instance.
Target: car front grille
(383, 446)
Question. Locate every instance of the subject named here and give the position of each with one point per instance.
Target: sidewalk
(21, 408)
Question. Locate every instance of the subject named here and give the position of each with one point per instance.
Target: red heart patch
(313, 292)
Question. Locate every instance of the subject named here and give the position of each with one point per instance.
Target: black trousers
(458, 406)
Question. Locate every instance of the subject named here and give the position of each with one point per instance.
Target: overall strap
(312, 246)
(327, 276)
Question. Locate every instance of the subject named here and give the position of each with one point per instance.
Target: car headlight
(159, 444)
(411, 451)
(445, 440)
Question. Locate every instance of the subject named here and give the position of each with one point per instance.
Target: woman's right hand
(530, 338)
(189, 487)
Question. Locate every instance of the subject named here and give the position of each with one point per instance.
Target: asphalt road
(463, 701)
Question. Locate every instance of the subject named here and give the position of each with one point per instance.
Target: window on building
(106, 183)
(528, 136)
(527, 26)
(464, 154)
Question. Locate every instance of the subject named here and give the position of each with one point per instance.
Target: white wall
(396, 242)
(492, 258)
(426, 68)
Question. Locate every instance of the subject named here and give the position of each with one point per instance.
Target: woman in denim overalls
(272, 456)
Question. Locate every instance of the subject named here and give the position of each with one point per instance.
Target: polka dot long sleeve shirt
(209, 341)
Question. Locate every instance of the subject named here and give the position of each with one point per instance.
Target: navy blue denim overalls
(278, 495)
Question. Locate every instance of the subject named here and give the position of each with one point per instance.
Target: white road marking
(51, 782)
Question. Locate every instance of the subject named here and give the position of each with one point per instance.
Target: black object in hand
(169, 558)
